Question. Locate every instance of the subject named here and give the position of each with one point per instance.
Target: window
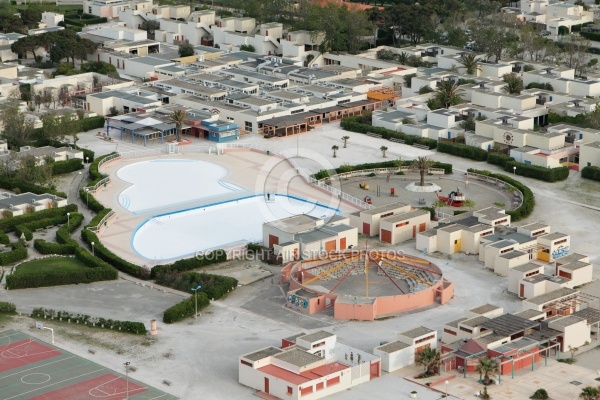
(564, 274)
(462, 328)
(537, 233)
(502, 221)
(248, 126)
(306, 390)
(449, 332)
(486, 233)
(333, 381)
(320, 386)
(290, 390)
(430, 337)
(318, 344)
(401, 224)
(507, 250)
(244, 362)
(560, 242)
(527, 275)
(386, 214)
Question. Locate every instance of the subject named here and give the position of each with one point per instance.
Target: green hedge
(18, 253)
(185, 309)
(98, 217)
(189, 264)
(499, 159)
(541, 173)
(90, 201)
(528, 205)
(137, 328)
(64, 167)
(92, 123)
(352, 124)
(28, 228)
(4, 239)
(97, 270)
(45, 247)
(554, 118)
(95, 177)
(463, 150)
(9, 224)
(591, 172)
(7, 308)
(9, 183)
(591, 36)
(390, 164)
(111, 258)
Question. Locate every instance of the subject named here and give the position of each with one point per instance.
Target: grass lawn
(50, 265)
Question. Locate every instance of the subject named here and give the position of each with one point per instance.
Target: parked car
(545, 33)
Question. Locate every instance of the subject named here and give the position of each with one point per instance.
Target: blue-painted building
(205, 125)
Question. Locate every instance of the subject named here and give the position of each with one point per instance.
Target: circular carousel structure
(365, 284)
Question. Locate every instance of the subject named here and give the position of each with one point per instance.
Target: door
(343, 243)
(330, 246)
(414, 231)
(366, 228)
(266, 385)
(544, 255)
(386, 236)
(422, 227)
(457, 246)
(273, 240)
(521, 290)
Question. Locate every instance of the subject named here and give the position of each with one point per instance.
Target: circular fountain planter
(428, 188)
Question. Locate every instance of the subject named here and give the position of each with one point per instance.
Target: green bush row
(528, 205)
(185, 309)
(7, 308)
(352, 124)
(591, 36)
(390, 164)
(541, 173)
(44, 247)
(64, 167)
(18, 253)
(4, 239)
(137, 328)
(188, 264)
(92, 123)
(98, 217)
(500, 159)
(105, 254)
(9, 224)
(463, 150)
(10, 183)
(590, 172)
(90, 201)
(28, 228)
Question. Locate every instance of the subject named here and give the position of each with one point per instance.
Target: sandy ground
(200, 356)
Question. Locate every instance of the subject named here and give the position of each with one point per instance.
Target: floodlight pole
(195, 290)
(127, 380)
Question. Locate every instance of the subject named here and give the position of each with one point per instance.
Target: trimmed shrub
(541, 173)
(528, 205)
(64, 167)
(9, 183)
(101, 214)
(463, 150)
(45, 247)
(9, 224)
(92, 123)
(591, 36)
(18, 253)
(384, 164)
(4, 239)
(592, 173)
(499, 159)
(7, 308)
(353, 124)
(90, 201)
(189, 264)
(137, 328)
(540, 394)
(105, 254)
(185, 309)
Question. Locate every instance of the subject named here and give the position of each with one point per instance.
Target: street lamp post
(515, 171)
(87, 201)
(69, 221)
(93, 248)
(195, 290)
(446, 382)
(127, 380)
(86, 159)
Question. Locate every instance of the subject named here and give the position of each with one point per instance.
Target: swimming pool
(163, 183)
(183, 233)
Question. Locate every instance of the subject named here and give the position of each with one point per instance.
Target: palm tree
(488, 368)
(448, 94)
(403, 58)
(335, 148)
(469, 203)
(177, 117)
(470, 62)
(514, 83)
(422, 164)
(590, 393)
(439, 204)
(345, 139)
(429, 358)
(383, 150)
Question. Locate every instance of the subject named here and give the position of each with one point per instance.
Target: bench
(420, 146)
(396, 140)
(166, 382)
(371, 134)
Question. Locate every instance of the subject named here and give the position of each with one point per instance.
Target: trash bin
(268, 152)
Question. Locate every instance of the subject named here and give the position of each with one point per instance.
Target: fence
(108, 159)
(102, 182)
(141, 153)
(198, 149)
(433, 171)
(103, 223)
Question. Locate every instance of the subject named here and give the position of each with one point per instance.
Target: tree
(345, 139)
(113, 111)
(470, 62)
(540, 394)
(430, 359)
(186, 50)
(470, 204)
(422, 164)
(514, 83)
(150, 26)
(488, 368)
(17, 128)
(335, 148)
(484, 394)
(448, 94)
(383, 150)
(575, 50)
(177, 117)
(494, 38)
(29, 171)
(248, 47)
(99, 67)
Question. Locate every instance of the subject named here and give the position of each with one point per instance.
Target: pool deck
(254, 171)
